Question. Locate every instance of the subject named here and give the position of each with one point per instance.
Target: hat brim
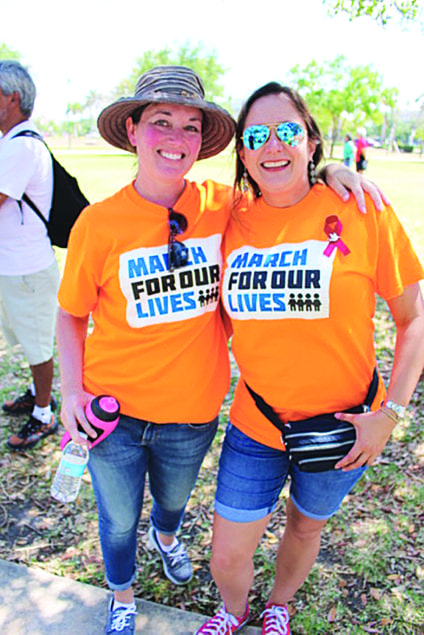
(218, 126)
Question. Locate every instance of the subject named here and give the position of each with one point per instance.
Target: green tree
(74, 113)
(389, 114)
(340, 95)
(6, 53)
(417, 124)
(380, 10)
(203, 63)
(92, 104)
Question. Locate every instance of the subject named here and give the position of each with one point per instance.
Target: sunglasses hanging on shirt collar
(177, 252)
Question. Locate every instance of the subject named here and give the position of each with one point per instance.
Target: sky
(72, 48)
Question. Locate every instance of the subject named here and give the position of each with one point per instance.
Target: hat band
(164, 84)
(177, 91)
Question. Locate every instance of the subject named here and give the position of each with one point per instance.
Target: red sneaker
(276, 620)
(224, 623)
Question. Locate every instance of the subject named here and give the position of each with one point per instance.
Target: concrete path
(33, 602)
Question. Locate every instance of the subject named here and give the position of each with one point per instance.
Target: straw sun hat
(172, 85)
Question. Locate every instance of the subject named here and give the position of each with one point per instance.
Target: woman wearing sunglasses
(145, 264)
(301, 269)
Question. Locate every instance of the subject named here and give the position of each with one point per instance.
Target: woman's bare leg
(296, 555)
(233, 547)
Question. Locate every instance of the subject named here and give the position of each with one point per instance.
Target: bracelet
(390, 413)
(397, 408)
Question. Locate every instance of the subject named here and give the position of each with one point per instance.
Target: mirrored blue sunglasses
(177, 252)
(289, 132)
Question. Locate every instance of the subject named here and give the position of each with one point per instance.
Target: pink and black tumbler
(102, 414)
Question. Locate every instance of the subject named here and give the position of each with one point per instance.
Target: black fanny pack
(316, 444)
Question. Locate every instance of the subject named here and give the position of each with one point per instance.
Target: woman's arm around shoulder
(344, 182)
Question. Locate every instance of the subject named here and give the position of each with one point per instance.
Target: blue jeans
(171, 454)
(251, 476)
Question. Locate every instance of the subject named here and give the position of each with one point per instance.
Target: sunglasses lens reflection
(177, 223)
(178, 255)
(290, 133)
(255, 136)
(177, 252)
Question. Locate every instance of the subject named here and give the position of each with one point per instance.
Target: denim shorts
(251, 476)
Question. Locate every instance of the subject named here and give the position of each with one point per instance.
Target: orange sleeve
(82, 268)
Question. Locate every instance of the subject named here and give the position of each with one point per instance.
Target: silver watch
(397, 408)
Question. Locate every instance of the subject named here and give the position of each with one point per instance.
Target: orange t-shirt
(158, 343)
(302, 307)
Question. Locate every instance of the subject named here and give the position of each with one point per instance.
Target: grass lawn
(401, 177)
(370, 573)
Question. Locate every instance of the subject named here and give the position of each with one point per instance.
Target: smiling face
(168, 138)
(280, 170)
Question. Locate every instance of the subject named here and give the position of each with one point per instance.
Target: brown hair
(314, 133)
(136, 115)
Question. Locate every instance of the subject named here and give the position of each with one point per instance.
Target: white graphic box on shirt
(156, 295)
(290, 280)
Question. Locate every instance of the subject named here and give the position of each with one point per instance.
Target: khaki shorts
(28, 307)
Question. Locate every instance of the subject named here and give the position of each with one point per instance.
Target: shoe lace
(31, 426)
(24, 398)
(277, 620)
(221, 624)
(120, 618)
(27, 399)
(177, 555)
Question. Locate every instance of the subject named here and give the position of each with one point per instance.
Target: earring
(245, 187)
(312, 175)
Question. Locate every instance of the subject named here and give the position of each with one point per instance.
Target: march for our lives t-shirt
(158, 343)
(299, 286)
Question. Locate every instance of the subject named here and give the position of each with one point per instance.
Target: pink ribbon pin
(333, 228)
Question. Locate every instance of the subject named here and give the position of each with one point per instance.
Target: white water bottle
(67, 480)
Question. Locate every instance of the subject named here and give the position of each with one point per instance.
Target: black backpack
(67, 202)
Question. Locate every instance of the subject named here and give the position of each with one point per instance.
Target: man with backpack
(29, 275)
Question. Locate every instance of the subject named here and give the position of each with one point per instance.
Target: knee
(225, 560)
(302, 527)
(118, 524)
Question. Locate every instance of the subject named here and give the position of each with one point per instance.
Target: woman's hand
(72, 414)
(373, 430)
(344, 181)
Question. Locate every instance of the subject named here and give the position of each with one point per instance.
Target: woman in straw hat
(145, 264)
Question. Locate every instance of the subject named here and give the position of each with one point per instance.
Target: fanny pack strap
(266, 409)
(372, 390)
(272, 416)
